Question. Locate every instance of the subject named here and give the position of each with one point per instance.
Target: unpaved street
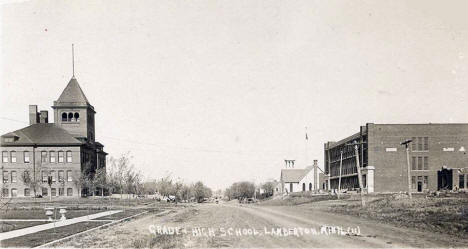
(197, 220)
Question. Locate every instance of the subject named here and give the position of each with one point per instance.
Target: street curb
(48, 244)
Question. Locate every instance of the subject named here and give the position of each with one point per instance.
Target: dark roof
(41, 134)
(293, 175)
(344, 140)
(72, 95)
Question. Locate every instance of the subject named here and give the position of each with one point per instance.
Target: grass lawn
(121, 215)
(6, 226)
(96, 200)
(40, 238)
(40, 213)
(448, 215)
(296, 199)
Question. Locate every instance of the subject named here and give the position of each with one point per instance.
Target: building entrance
(444, 179)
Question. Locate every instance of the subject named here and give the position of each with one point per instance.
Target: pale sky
(221, 91)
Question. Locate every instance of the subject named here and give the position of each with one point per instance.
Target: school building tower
(65, 150)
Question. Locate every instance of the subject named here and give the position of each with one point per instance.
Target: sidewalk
(35, 229)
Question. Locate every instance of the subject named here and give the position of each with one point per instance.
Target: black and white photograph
(233, 124)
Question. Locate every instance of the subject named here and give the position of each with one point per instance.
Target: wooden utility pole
(406, 144)
(358, 166)
(329, 172)
(339, 179)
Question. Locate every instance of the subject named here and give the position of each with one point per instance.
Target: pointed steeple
(73, 61)
(72, 94)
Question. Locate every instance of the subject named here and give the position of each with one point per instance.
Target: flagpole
(306, 148)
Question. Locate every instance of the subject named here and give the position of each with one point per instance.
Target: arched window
(52, 156)
(77, 117)
(13, 156)
(69, 157)
(26, 156)
(64, 117)
(310, 186)
(26, 177)
(13, 176)
(44, 156)
(303, 187)
(60, 157)
(70, 117)
(14, 192)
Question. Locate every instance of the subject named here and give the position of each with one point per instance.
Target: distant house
(277, 187)
(298, 180)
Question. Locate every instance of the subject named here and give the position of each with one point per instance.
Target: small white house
(297, 180)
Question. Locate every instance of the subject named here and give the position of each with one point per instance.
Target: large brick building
(438, 158)
(65, 150)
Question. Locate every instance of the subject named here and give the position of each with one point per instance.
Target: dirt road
(233, 225)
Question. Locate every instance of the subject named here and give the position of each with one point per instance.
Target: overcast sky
(222, 91)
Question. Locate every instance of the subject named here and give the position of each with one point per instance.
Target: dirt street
(234, 225)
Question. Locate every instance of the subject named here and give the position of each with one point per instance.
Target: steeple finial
(73, 61)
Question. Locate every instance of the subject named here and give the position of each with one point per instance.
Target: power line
(174, 147)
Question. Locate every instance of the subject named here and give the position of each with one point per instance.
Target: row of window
(45, 192)
(12, 176)
(304, 186)
(420, 144)
(52, 157)
(420, 163)
(70, 117)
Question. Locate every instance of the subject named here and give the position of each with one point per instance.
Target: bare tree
(240, 190)
(80, 180)
(268, 187)
(33, 179)
(99, 179)
(201, 191)
(164, 185)
(121, 166)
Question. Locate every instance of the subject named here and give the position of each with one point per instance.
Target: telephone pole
(358, 166)
(406, 144)
(339, 179)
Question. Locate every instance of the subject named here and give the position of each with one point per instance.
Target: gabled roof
(72, 94)
(293, 175)
(41, 134)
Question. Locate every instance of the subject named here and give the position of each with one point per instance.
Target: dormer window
(10, 139)
(77, 117)
(64, 117)
(70, 117)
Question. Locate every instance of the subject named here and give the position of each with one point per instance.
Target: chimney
(315, 175)
(289, 163)
(33, 115)
(44, 117)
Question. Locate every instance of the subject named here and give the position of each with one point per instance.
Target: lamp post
(49, 181)
(406, 144)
